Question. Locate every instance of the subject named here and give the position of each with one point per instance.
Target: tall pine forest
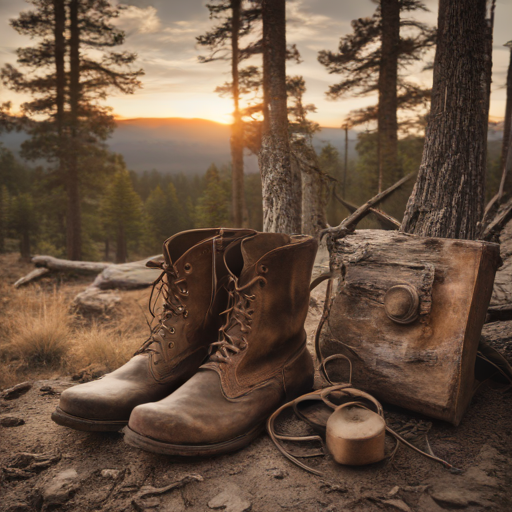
(67, 195)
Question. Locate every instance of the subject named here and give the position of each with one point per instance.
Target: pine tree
(448, 197)
(67, 73)
(236, 19)
(212, 208)
(122, 213)
(281, 207)
(23, 222)
(370, 59)
(164, 215)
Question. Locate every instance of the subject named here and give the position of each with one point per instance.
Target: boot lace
(172, 290)
(239, 314)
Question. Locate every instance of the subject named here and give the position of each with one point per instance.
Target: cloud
(139, 19)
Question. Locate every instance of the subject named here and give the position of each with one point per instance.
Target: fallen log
(125, 276)
(31, 276)
(82, 267)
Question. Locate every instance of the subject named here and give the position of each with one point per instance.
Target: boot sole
(189, 450)
(85, 425)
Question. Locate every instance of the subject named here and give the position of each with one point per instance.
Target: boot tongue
(257, 246)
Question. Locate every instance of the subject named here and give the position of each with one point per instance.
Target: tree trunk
(388, 77)
(121, 251)
(281, 209)
(60, 77)
(507, 188)
(345, 165)
(25, 246)
(448, 197)
(313, 191)
(73, 220)
(237, 135)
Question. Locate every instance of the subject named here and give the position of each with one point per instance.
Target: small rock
(230, 501)
(454, 497)
(394, 491)
(278, 474)
(110, 473)
(47, 390)
(397, 505)
(16, 391)
(61, 488)
(11, 421)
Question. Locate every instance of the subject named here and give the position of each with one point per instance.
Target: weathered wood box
(408, 312)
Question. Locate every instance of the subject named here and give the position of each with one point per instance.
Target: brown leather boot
(260, 361)
(193, 277)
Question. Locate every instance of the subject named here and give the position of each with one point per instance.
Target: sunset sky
(163, 33)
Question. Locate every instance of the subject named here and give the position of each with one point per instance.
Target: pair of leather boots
(229, 348)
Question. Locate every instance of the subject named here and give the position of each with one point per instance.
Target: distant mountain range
(173, 145)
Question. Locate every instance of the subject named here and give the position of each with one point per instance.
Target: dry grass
(103, 344)
(39, 328)
(41, 336)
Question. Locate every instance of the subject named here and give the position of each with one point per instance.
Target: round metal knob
(401, 303)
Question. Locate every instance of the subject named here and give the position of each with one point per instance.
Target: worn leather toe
(198, 413)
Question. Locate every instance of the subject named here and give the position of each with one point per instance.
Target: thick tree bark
(281, 208)
(237, 133)
(448, 197)
(388, 78)
(313, 191)
(507, 185)
(73, 219)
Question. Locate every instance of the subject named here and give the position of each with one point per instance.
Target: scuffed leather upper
(162, 367)
(261, 358)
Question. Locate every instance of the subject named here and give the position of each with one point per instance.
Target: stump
(408, 312)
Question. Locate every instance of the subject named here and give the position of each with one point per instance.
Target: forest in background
(85, 203)
(155, 205)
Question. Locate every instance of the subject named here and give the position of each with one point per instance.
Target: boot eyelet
(171, 344)
(264, 269)
(185, 314)
(172, 330)
(187, 267)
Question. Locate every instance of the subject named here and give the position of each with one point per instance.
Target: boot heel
(298, 375)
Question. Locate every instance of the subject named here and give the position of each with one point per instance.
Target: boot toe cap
(95, 402)
(198, 413)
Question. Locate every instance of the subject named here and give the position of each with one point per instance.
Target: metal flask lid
(355, 435)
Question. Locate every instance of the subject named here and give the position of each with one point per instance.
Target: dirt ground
(47, 467)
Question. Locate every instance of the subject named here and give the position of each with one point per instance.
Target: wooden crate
(408, 312)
